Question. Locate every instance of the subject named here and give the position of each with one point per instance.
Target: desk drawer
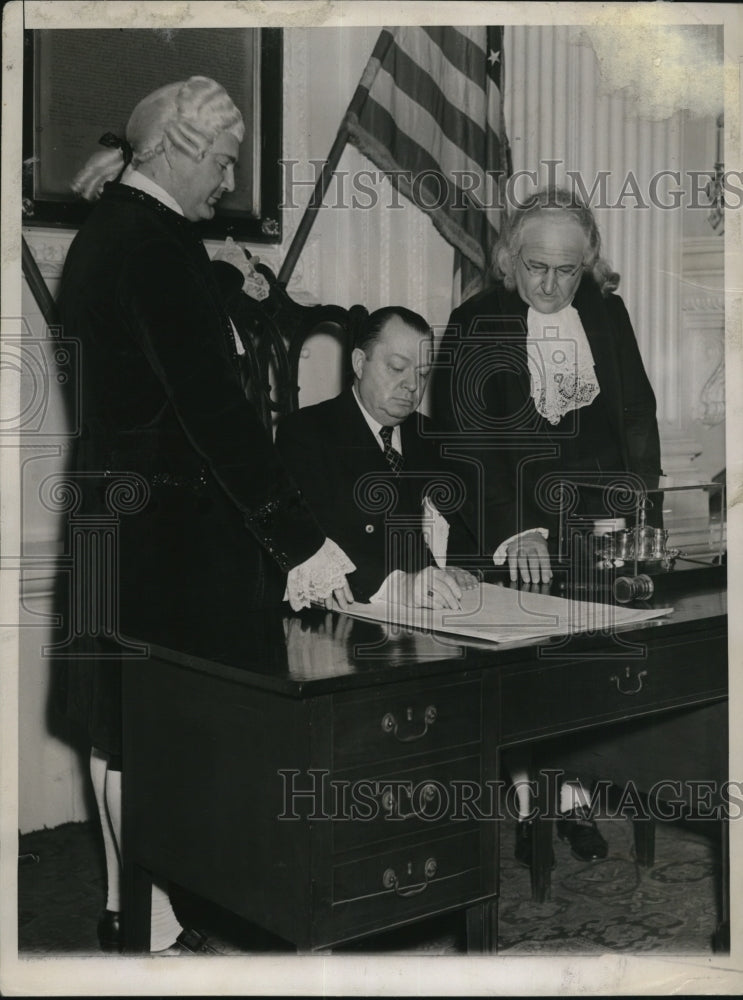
(419, 800)
(564, 695)
(397, 884)
(404, 720)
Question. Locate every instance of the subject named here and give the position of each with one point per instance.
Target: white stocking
(98, 769)
(164, 926)
(572, 796)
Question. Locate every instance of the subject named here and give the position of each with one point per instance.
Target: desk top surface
(316, 651)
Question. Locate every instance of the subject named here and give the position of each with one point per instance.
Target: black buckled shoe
(581, 832)
(189, 942)
(109, 931)
(523, 848)
(195, 943)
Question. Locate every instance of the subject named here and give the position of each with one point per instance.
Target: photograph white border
(356, 975)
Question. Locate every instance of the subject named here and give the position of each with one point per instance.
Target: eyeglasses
(541, 270)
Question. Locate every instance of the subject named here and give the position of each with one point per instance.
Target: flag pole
(38, 286)
(313, 207)
(323, 182)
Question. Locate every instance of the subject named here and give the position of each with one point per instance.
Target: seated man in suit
(365, 460)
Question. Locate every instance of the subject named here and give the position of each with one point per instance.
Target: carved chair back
(273, 332)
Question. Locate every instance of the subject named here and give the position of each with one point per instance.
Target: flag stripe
(464, 234)
(385, 41)
(412, 93)
(423, 52)
(404, 154)
(472, 65)
(474, 34)
(481, 102)
(411, 83)
(460, 51)
(411, 118)
(411, 156)
(428, 106)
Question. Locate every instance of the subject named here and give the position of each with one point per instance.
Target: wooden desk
(215, 737)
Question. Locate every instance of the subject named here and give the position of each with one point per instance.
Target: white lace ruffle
(317, 577)
(560, 363)
(254, 284)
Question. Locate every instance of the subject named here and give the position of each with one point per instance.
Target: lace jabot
(317, 577)
(560, 363)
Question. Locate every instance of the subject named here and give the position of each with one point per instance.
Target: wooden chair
(273, 332)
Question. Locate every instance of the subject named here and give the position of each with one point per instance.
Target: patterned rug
(616, 905)
(608, 906)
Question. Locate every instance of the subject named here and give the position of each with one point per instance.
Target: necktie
(394, 458)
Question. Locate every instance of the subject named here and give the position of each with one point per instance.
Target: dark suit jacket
(482, 398)
(374, 515)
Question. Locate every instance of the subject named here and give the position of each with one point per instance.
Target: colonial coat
(483, 399)
(207, 520)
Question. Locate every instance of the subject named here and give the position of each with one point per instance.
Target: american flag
(429, 111)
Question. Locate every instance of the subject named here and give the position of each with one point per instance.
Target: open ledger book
(503, 614)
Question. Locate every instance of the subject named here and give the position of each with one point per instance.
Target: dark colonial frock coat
(207, 520)
(482, 398)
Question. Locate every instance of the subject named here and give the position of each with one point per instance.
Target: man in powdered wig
(214, 527)
(547, 384)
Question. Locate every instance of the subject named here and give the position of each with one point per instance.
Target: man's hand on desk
(529, 557)
(437, 588)
(342, 597)
(463, 577)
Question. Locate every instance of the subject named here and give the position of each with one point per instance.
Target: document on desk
(503, 614)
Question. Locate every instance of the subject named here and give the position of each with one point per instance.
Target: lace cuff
(254, 284)
(317, 577)
(499, 556)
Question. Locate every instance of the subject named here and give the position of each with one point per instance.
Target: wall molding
(714, 304)
(36, 586)
(703, 311)
(703, 273)
(704, 245)
(49, 248)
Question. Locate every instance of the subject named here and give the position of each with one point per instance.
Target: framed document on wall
(82, 83)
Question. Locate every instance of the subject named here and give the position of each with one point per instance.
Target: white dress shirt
(375, 426)
(433, 524)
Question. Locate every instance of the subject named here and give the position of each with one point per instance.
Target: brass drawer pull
(428, 794)
(391, 881)
(627, 675)
(391, 725)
